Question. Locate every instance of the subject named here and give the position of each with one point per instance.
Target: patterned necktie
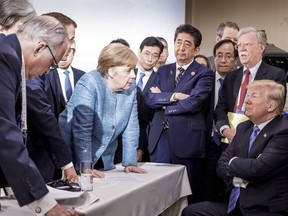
(236, 191)
(242, 92)
(68, 86)
(140, 82)
(182, 71)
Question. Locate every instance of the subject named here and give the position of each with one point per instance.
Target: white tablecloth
(162, 190)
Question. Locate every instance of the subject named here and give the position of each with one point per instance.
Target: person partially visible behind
(164, 55)
(202, 60)
(255, 164)
(226, 56)
(149, 53)
(103, 106)
(122, 41)
(225, 30)
(57, 89)
(25, 55)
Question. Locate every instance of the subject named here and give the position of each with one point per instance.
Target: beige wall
(268, 15)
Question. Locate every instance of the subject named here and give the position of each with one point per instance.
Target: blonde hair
(115, 54)
(274, 92)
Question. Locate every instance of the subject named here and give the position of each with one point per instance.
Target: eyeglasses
(226, 57)
(54, 65)
(244, 45)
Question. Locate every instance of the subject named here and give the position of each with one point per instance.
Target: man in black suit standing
(149, 53)
(45, 144)
(255, 164)
(57, 91)
(251, 46)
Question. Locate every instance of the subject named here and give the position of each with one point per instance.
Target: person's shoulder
(78, 71)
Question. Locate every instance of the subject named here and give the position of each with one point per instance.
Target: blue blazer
(190, 119)
(19, 170)
(94, 118)
(54, 91)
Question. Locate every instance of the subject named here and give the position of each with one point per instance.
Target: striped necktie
(178, 78)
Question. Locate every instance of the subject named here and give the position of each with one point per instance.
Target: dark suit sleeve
(42, 124)
(19, 170)
(270, 161)
(197, 97)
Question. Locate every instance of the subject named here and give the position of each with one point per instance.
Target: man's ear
(271, 107)
(39, 48)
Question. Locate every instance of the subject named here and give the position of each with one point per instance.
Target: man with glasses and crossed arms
(251, 46)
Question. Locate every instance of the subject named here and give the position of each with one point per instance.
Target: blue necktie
(178, 78)
(236, 191)
(253, 136)
(68, 86)
(140, 82)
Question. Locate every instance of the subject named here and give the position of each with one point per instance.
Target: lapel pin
(193, 73)
(265, 135)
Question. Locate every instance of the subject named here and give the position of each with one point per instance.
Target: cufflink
(38, 210)
(193, 73)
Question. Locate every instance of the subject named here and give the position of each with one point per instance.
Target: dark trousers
(162, 152)
(195, 173)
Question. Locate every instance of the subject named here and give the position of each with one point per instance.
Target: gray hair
(44, 28)
(13, 11)
(260, 34)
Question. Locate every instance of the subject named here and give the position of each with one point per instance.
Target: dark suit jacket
(188, 125)
(18, 169)
(145, 114)
(45, 144)
(231, 86)
(265, 167)
(54, 91)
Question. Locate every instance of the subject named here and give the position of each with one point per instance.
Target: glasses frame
(54, 65)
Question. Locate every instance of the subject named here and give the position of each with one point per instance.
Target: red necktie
(242, 92)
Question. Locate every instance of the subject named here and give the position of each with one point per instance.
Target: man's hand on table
(70, 174)
(134, 169)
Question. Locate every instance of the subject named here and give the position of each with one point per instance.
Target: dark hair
(152, 41)
(65, 20)
(225, 41)
(189, 29)
(122, 41)
(223, 25)
(205, 58)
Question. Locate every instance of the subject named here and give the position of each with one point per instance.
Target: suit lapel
(149, 82)
(261, 139)
(236, 88)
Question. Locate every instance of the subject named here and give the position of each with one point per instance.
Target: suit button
(38, 210)
(113, 127)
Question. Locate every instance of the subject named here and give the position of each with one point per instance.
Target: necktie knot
(140, 82)
(221, 80)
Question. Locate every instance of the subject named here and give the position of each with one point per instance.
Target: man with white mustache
(251, 46)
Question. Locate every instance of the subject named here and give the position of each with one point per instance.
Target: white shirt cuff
(41, 206)
(67, 166)
(223, 128)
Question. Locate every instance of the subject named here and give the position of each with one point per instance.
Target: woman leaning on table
(103, 105)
